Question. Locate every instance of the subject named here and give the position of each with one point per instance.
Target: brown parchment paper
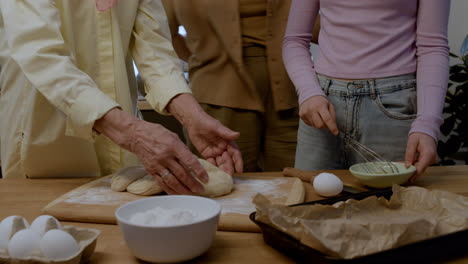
(355, 228)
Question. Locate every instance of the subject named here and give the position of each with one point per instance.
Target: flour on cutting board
(101, 194)
(237, 202)
(250, 187)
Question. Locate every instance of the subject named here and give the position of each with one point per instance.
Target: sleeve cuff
(90, 106)
(161, 90)
(307, 93)
(427, 125)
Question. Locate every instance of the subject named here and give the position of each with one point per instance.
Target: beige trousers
(267, 140)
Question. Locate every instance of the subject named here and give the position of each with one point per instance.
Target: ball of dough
(23, 244)
(144, 186)
(327, 184)
(44, 223)
(58, 245)
(220, 183)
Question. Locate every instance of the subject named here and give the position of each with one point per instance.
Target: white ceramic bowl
(382, 180)
(174, 243)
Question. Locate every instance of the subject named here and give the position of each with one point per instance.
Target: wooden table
(27, 198)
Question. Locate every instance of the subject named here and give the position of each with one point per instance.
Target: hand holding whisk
(374, 163)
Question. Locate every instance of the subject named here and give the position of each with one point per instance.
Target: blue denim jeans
(377, 113)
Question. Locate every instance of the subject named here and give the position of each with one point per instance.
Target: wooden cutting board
(95, 202)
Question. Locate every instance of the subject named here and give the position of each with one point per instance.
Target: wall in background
(457, 31)
(458, 25)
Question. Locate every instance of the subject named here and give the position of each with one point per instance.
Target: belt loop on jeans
(327, 86)
(347, 88)
(373, 93)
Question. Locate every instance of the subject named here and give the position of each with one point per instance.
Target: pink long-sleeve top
(368, 39)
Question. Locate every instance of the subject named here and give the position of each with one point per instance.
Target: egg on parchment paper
(57, 244)
(44, 223)
(9, 226)
(327, 184)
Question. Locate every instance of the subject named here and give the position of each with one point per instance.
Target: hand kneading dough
(125, 176)
(144, 186)
(220, 182)
(133, 180)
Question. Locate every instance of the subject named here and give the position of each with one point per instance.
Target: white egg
(327, 184)
(44, 223)
(4, 238)
(9, 226)
(23, 244)
(57, 244)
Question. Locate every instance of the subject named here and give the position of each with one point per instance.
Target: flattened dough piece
(125, 176)
(220, 183)
(144, 186)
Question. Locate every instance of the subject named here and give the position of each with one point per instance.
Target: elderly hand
(214, 141)
(421, 151)
(318, 112)
(160, 151)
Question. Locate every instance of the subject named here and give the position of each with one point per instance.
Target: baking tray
(434, 250)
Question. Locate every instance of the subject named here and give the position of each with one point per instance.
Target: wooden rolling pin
(308, 176)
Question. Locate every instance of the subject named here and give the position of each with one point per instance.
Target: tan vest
(217, 73)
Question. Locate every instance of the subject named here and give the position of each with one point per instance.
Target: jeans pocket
(399, 104)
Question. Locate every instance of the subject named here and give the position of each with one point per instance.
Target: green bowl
(384, 179)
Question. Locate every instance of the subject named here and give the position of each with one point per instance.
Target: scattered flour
(95, 195)
(100, 194)
(165, 217)
(231, 203)
(250, 187)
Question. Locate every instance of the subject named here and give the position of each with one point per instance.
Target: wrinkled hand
(160, 151)
(215, 142)
(421, 151)
(318, 112)
(167, 158)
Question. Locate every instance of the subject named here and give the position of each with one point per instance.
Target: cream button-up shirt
(63, 66)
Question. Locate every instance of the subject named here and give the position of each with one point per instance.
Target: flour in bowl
(165, 217)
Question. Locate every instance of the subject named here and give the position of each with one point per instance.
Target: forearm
(154, 55)
(115, 125)
(296, 48)
(430, 104)
(432, 81)
(37, 47)
(432, 65)
(185, 109)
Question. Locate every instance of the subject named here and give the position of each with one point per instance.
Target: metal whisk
(374, 163)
